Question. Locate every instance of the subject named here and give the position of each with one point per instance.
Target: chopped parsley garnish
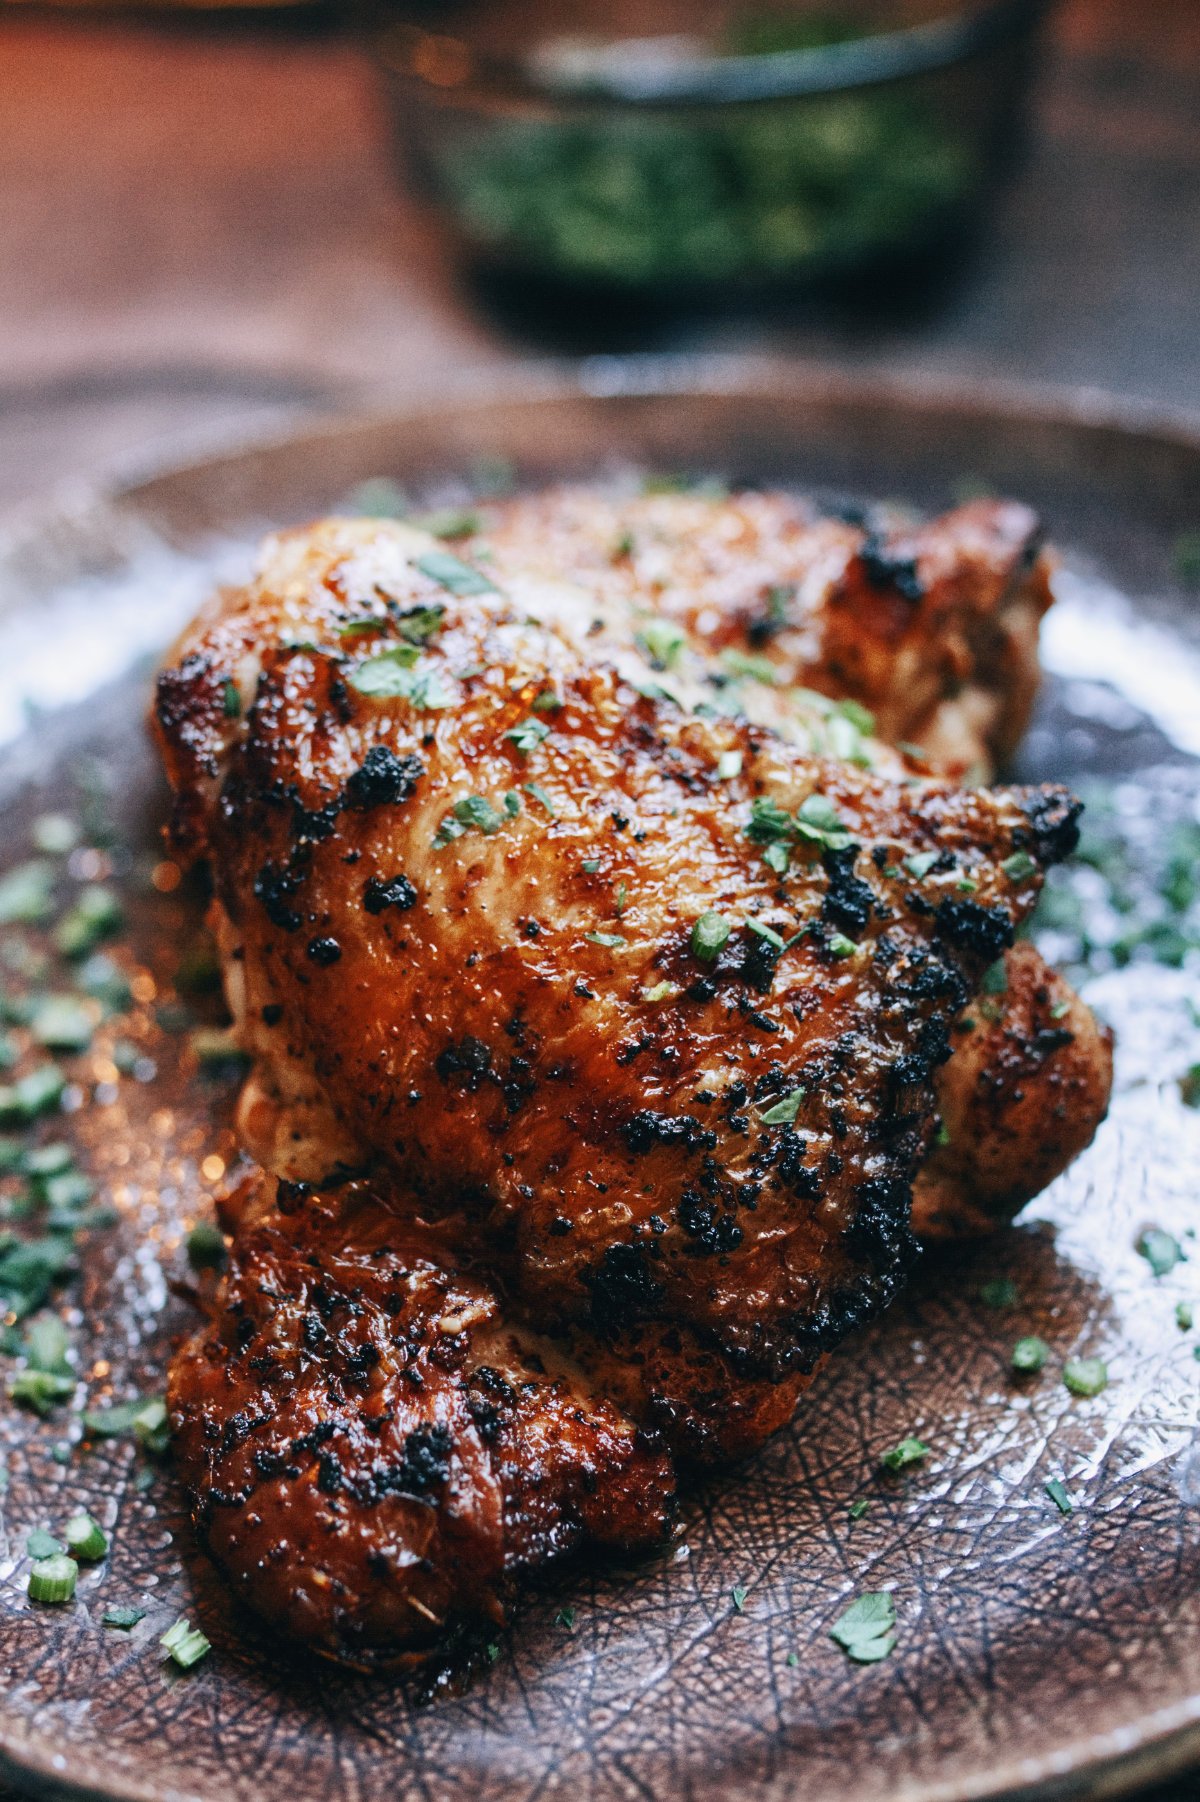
(453, 574)
(474, 813)
(737, 1596)
(528, 735)
(123, 1617)
(820, 821)
(769, 823)
(612, 941)
(590, 866)
(96, 915)
(858, 1508)
(53, 1579)
(1162, 1251)
(784, 1111)
(909, 1451)
(710, 935)
(62, 1023)
(450, 522)
(185, 1643)
(25, 894)
(540, 796)
(146, 1419)
(1001, 1292)
(417, 625)
(40, 1544)
(391, 676)
(1086, 1376)
(661, 640)
(745, 666)
(206, 1246)
(86, 1538)
(1018, 866)
(729, 765)
(866, 1631)
(1029, 1355)
(1058, 1495)
(565, 1618)
(55, 833)
(817, 822)
(40, 1389)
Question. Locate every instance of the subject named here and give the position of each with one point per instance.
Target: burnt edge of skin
(1053, 814)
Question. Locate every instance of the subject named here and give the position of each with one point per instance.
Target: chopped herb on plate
(909, 1451)
(1086, 1376)
(866, 1630)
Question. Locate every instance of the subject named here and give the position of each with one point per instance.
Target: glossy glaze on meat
(931, 627)
(459, 928)
(373, 1452)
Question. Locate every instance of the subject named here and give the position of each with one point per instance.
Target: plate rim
(1097, 1766)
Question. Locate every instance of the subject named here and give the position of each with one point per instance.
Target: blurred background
(211, 220)
(215, 220)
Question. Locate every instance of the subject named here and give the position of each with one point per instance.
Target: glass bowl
(628, 145)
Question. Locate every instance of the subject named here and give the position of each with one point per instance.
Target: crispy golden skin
(457, 926)
(933, 627)
(373, 1452)
(1021, 1096)
(482, 1003)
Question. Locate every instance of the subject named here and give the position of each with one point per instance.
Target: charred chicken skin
(636, 1014)
(374, 1451)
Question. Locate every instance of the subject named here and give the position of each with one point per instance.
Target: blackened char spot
(394, 891)
(623, 1289)
(711, 1232)
(647, 1128)
(1053, 815)
(758, 962)
(970, 926)
(848, 899)
(802, 1179)
(425, 1464)
(383, 778)
(879, 1234)
(274, 888)
(470, 1060)
(884, 569)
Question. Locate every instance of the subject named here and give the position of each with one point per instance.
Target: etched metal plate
(1038, 1652)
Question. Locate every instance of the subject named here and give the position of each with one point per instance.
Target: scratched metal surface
(1037, 1654)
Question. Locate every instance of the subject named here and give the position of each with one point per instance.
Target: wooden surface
(199, 232)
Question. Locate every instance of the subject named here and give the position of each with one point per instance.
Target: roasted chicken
(375, 1449)
(543, 912)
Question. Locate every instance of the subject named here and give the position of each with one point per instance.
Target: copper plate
(1038, 1655)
